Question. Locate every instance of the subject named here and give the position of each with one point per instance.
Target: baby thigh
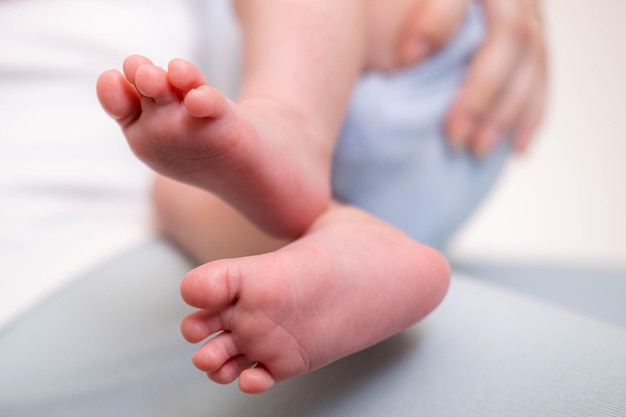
(393, 158)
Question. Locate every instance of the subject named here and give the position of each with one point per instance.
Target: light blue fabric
(393, 158)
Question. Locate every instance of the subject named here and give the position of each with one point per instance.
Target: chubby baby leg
(348, 283)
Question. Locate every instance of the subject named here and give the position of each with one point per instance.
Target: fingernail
(459, 132)
(416, 51)
(456, 145)
(486, 142)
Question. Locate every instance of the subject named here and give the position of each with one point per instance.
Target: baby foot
(256, 155)
(348, 283)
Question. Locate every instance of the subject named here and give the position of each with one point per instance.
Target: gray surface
(596, 291)
(110, 346)
(112, 328)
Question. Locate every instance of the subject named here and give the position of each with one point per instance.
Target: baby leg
(348, 283)
(204, 226)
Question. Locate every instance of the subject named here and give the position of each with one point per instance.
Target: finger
(507, 112)
(535, 8)
(533, 115)
(531, 119)
(430, 25)
(517, 109)
(490, 70)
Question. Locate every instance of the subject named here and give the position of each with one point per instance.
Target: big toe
(212, 286)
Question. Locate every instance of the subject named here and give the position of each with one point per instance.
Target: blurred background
(558, 210)
(564, 202)
(72, 199)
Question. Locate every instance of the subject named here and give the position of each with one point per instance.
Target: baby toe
(231, 370)
(184, 75)
(200, 325)
(256, 380)
(205, 101)
(151, 81)
(118, 97)
(132, 64)
(215, 353)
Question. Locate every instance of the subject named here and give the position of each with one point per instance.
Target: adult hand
(505, 88)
